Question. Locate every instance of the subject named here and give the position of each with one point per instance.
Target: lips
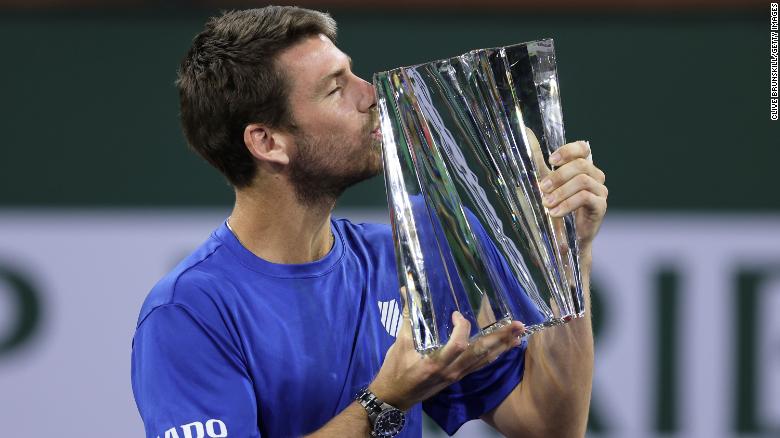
(377, 132)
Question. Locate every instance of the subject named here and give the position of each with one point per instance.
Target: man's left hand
(576, 185)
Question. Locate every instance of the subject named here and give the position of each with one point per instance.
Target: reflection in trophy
(465, 144)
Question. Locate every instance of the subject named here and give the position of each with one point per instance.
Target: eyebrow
(330, 76)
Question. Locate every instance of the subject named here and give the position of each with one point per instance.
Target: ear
(266, 144)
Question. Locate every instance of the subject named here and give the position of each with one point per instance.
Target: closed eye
(334, 90)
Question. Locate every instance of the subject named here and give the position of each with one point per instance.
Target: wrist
(387, 395)
(585, 255)
(386, 420)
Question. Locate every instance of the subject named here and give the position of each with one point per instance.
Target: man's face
(337, 140)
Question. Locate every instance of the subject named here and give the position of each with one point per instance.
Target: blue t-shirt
(231, 345)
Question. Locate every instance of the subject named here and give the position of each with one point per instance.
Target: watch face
(389, 423)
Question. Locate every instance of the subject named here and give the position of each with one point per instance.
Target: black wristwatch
(386, 420)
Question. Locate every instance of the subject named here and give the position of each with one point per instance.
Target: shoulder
(192, 285)
(365, 234)
(366, 229)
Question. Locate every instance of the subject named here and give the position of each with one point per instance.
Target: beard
(325, 166)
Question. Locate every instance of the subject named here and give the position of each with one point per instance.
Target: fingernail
(555, 158)
(555, 210)
(549, 198)
(546, 185)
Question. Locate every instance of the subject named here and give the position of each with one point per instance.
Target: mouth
(377, 132)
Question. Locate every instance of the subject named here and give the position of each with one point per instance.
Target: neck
(276, 227)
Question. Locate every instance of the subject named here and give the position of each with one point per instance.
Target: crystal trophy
(465, 143)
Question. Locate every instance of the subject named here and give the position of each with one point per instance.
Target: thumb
(404, 302)
(405, 332)
(536, 153)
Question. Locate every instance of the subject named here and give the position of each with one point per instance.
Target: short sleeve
(478, 393)
(189, 379)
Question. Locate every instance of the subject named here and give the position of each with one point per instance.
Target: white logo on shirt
(391, 316)
(197, 430)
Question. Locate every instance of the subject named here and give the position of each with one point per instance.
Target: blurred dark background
(674, 99)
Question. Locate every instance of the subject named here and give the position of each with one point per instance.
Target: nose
(368, 96)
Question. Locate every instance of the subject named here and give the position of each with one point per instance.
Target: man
(271, 327)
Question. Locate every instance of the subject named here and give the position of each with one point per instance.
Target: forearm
(559, 367)
(352, 422)
(563, 355)
(554, 397)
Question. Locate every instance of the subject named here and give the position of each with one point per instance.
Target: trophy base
(493, 327)
(529, 330)
(552, 322)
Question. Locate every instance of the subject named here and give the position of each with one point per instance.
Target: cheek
(348, 116)
(341, 122)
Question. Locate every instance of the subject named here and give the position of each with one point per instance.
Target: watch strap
(373, 406)
(370, 403)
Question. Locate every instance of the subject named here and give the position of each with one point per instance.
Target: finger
(459, 340)
(488, 347)
(594, 203)
(570, 152)
(568, 189)
(563, 174)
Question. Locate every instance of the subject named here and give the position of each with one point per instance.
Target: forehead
(309, 61)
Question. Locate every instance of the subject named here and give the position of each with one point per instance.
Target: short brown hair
(229, 79)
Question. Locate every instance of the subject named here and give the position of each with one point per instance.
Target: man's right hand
(407, 377)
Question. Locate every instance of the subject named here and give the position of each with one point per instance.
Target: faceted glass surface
(465, 142)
